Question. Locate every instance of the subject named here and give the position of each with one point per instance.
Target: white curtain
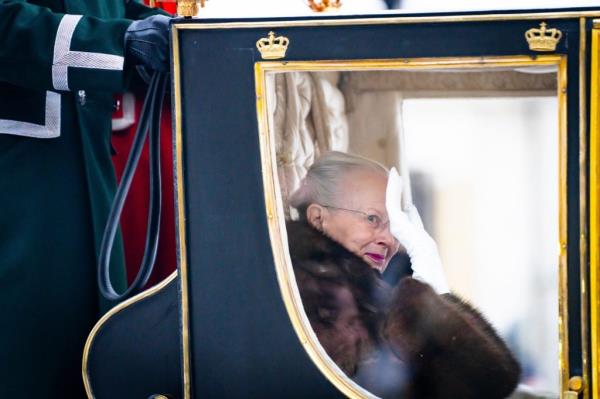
(307, 117)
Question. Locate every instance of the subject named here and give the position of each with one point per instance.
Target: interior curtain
(307, 117)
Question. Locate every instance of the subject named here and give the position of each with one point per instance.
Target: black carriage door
(493, 130)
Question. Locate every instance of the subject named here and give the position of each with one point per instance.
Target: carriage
(493, 120)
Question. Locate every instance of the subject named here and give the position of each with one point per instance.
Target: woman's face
(358, 218)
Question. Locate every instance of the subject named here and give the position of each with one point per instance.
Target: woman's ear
(314, 216)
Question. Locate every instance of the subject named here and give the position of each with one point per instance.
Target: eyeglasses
(372, 220)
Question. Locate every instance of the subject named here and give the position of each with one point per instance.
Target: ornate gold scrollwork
(188, 8)
(324, 5)
(543, 39)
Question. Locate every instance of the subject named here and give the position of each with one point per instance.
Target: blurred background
(487, 169)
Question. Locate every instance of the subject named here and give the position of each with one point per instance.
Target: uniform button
(117, 105)
(81, 96)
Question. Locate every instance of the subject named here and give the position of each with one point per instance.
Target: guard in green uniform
(60, 63)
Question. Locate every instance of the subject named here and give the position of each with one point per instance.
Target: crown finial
(542, 38)
(324, 5)
(187, 8)
(272, 48)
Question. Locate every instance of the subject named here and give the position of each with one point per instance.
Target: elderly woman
(414, 340)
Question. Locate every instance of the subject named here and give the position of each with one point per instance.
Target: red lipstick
(376, 257)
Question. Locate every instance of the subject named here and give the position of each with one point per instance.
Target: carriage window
(489, 188)
(478, 154)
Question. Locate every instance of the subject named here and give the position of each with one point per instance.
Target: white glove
(408, 229)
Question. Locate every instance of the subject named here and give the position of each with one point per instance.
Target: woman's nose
(386, 238)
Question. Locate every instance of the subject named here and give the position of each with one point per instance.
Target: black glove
(147, 43)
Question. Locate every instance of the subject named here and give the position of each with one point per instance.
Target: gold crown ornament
(324, 5)
(543, 39)
(272, 48)
(187, 8)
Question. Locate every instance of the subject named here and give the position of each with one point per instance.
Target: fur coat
(397, 342)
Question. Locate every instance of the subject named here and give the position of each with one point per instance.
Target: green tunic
(60, 63)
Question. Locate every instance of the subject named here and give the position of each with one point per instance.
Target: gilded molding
(563, 322)
(594, 208)
(180, 220)
(583, 216)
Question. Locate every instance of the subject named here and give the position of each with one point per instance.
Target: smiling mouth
(376, 258)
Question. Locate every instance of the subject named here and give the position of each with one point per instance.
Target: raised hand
(408, 229)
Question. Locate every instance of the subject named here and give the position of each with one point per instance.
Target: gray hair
(320, 185)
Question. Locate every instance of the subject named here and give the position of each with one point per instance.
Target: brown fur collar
(343, 297)
(325, 259)
(407, 342)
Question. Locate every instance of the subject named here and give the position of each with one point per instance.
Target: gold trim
(90, 339)
(180, 207)
(388, 20)
(563, 321)
(412, 63)
(583, 224)
(274, 207)
(595, 209)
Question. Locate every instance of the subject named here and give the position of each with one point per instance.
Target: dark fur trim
(323, 258)
(405, 343)
(341, 295)
(453, 352)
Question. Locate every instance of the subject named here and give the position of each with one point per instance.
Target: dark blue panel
(243, 343)
(136, 352)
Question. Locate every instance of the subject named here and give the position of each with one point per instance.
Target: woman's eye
(373, 219)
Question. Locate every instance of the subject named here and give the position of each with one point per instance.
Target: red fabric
(170, 7)
(135, 211)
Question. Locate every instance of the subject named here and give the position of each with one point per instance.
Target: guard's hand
(408, 229)
(147, 43)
